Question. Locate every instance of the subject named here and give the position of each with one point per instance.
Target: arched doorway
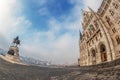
(93, 57)
(103, 53)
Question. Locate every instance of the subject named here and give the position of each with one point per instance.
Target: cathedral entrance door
(103, 53)
(104, 57)
(93, 57)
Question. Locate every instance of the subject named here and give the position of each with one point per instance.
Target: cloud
(60, 40)
(9, 22)
(12, 23)
(51, 45)
(94, 4)
(59, 43)
(3, 42)
(43, 11)
(59, 51)
(41, 2)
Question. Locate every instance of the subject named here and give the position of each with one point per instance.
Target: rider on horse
(16, 41)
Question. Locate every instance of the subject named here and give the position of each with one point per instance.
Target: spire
(93, 12)
(90, 9)
(82, 10)
(80, 34)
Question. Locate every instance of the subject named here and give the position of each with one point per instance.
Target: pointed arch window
(90, 32)
(96, 24)
(118, 39)
(108, 21)
(87, 35)
(102, 48)
(94, 56)
(100, 34)
(91, 16)
(119, 22)
(93, 53)
(96, 38)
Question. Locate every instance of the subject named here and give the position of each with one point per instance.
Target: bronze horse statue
(16, 41)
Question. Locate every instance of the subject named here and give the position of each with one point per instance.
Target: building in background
(100, 40)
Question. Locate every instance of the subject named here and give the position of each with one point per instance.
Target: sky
(48, 29)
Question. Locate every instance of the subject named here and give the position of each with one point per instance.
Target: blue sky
(39, 14)
(48, 29)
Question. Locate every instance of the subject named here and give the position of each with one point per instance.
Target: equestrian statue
(16, 41)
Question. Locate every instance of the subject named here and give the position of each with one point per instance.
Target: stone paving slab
(10, 71)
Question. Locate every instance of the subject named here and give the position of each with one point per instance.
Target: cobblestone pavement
(10, 71)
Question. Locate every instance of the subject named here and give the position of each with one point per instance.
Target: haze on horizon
(48, 29)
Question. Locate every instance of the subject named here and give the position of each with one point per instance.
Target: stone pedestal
(13, 54)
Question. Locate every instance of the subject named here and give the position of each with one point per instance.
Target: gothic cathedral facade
(100, 39)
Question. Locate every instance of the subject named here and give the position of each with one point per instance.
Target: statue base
(13, 54)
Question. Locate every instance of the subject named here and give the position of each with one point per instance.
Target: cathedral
(100, 39)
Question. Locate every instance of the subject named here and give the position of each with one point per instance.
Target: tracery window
(115, 5)
(108, 20)
(114, 30)
(111, 12)
(106, 6)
